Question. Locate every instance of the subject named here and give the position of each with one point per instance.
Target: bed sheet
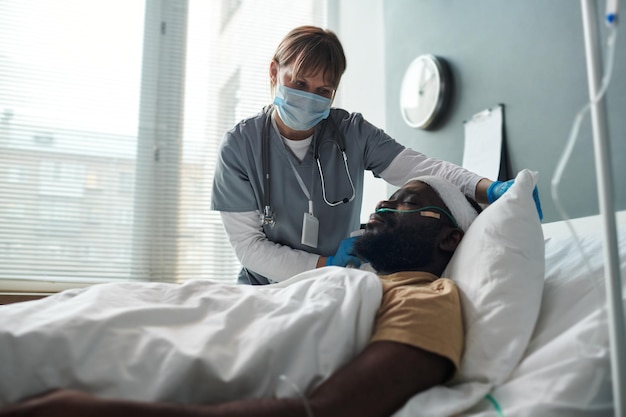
(192, 343)
(564, 370)
(566, 367)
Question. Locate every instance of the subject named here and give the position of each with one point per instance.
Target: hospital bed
(533, 305)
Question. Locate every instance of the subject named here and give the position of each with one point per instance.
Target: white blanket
(197, 342)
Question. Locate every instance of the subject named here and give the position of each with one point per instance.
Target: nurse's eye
(325, 92)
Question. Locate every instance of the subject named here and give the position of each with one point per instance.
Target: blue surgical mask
(300, 110)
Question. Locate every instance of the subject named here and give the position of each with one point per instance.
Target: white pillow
(499, 269)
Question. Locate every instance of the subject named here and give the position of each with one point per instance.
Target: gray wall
(526, 54)
(362, 39)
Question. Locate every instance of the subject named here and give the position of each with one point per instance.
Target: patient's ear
(451, 239)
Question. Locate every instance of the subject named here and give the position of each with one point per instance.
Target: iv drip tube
(615, 309)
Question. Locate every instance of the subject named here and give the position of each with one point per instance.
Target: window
(111, 114)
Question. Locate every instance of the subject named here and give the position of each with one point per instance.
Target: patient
(418, 335)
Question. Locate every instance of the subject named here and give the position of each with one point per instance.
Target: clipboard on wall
(485, 146)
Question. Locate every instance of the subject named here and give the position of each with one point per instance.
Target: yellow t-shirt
(421, 310)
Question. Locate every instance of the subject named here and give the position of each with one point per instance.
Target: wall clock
(425, 92)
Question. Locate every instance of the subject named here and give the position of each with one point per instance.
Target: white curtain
(111, 114)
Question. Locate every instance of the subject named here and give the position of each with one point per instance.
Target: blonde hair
(310, 49)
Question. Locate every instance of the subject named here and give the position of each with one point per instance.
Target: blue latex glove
(537, 203)
(498, 188)
(344, 255)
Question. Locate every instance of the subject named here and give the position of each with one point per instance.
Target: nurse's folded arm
(259, 254)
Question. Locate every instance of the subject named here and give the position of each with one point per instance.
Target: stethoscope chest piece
(267, 217)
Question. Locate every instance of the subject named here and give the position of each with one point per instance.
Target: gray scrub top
(238, 182)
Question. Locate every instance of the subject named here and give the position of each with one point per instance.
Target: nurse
(289, 181)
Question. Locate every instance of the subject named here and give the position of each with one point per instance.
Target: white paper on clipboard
(483, 143)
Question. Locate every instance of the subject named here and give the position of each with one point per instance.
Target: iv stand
(615, 309)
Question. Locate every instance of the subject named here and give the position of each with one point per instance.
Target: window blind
(111, 115)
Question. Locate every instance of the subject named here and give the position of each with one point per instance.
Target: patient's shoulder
(422, 313)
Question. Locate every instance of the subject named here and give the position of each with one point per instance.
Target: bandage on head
(423, 211)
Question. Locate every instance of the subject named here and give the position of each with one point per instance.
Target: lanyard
(302, 186)
(310, 223)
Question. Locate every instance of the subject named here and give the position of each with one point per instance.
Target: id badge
(310, 229)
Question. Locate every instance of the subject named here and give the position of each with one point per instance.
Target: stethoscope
(267, 216)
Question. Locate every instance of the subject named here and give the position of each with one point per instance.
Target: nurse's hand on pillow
(498, 188)
(344, 255)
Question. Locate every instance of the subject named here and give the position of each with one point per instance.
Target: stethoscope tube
(267, 217)
(341, 144)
